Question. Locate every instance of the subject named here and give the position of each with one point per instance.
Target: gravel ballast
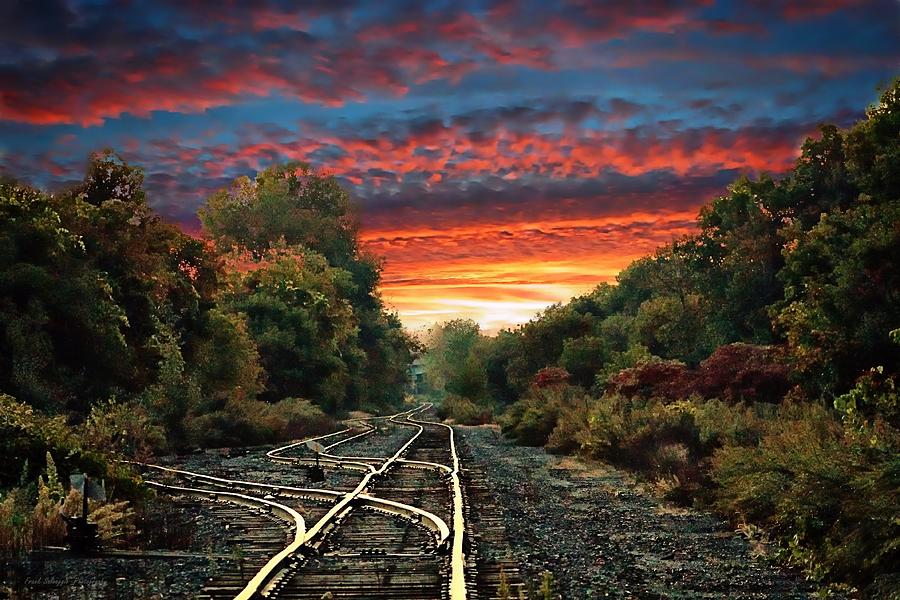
(600, 536)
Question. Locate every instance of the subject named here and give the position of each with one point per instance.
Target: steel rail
(285, 512)
(421, 464)
(349, 462)
(362, 420)
(426, 518)
(274, 451)
(275, 454)
(457, 557)
(261, 583)
(274, 567)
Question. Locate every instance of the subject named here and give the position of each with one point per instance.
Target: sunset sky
(506, 154)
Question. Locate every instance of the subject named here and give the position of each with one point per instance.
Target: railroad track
(398, 533)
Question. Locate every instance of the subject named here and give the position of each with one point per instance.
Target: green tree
(303, 325)
(62, 335)
(287, 203)
(737, 256)
(841, 272)
(291, 210)
(583, 358)
(841, 281)
(453, 362)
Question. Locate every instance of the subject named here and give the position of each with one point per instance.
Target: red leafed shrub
(668, 379)
(733, 373)
(550, 376)
(743, 372)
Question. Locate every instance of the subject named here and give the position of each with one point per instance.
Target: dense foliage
(752, 366)
(121, 336)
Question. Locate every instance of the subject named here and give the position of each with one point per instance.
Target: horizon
(506, 155)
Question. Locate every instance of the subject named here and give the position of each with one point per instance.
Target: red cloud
(452, 151)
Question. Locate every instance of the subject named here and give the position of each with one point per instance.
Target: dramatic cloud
(506, 154)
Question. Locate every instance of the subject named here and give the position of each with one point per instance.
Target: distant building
(416, 377)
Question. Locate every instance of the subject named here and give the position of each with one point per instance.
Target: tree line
(123, 336)
(751, 366)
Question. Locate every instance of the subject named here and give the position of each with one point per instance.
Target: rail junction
(393, 520)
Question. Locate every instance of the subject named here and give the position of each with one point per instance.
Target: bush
(30, 516)
(298, 418)
(571, 421)
(632, 431)
(532, 420)
(15, 522)
(247, 422)
(123, 428)
(743, 373)
(875, 394)
(26, 435)
(463, 411)
(734, 373)
(550, 376)
(829, 494)
(655, 378)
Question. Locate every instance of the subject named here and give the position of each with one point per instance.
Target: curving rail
(428, 519)
(457, 556)
(265, 580)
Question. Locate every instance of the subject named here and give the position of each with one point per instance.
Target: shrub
(617, 362)
(571, 421)
(122, 428)
(550, 376)
(829, 494)
(874, 394)
(15, 522)
(47, 528)
(719, 423)
(654, 378)
(734, 373)
(243, 422)
(26, 435)
(530, 421)
(464, 411)
(743, 372)
(629, 430)
(668, 443)
(115, 523)
(298, 417)
(240, 422)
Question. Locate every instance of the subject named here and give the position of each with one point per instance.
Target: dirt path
(602, 537)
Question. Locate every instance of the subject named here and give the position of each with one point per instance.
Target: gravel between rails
(601, 537)
(252, 465)
(382, 443)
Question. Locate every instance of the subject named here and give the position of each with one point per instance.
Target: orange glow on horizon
(465, 271)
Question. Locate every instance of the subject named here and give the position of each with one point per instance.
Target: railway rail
(399, 533)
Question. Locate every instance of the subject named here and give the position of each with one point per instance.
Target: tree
(291, 210)
(452, 363)
(736, 258)
(62, 338)
(841, 272)
(299, 316)
(287, 203)
(583, 358)
(841, 287)
(671, 328)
